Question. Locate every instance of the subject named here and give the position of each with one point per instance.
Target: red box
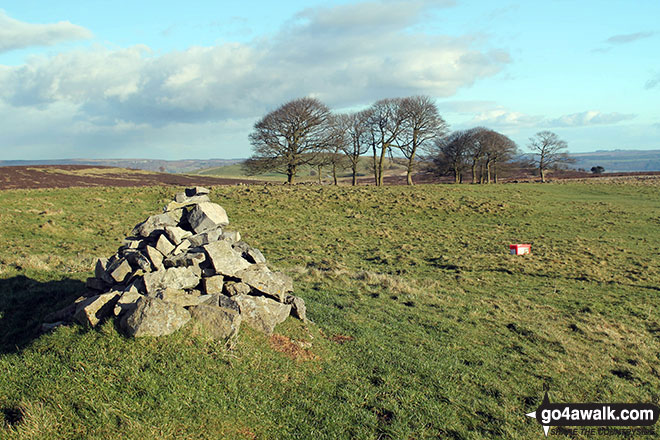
(520, 249)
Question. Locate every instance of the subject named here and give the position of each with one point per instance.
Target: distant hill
(167, 166)
(612, 161)
(619, 160)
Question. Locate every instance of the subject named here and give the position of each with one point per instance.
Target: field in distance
(425, 325)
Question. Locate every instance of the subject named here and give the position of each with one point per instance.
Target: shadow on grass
(23, 304)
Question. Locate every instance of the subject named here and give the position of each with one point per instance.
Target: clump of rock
(183, 265)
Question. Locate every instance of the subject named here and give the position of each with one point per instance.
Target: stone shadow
(24, 302)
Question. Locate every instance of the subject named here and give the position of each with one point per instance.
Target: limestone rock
(274, 284)
(126, 302)
(213, 284)
(207, 237)
(219, 322)
(185, 260)
(233, 288)
(262, 313)
(154, 223)
(154, 317)
(183, 246)
(120, 271)
(164, 245)
(225, 260)
(137, 259)
(205, 216)
(92, 310)
(231, 236)
(179, 297)
(181, 201)
(155, 257)
(298, 308)
(174, 277)
(176, 234)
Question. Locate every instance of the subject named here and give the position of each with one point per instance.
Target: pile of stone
(183, 265)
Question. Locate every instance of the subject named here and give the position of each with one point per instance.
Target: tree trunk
(376, 177)
(457, 175)
(354, 182)
(410, 170)
(474, 171)
(495, 172)
(290, 174)
(334, 173)
(381, 162)
(542, 171)
(488, 171)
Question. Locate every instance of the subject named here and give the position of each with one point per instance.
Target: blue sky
(172, 80)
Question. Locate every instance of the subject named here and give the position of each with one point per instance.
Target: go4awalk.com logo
(601, 415)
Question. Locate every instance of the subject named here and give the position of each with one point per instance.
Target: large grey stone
(225, 260)
(179, 297)
(164, 245)
(154, 223)
(120, 271)
(174, 277)
(219, 322)
(219, 300)
(176, 234)
(126, 302)
(233, 288)
(260, 278)
(213, 284)
(254, 256)
(207, 237)
(249, 253)
(185, 259)
(155, 257)
(207, 215)
(154, 317)
(137, 259)
(298, 308)
(231, 236)
(181, 247)
(262, 313)
(92, 310)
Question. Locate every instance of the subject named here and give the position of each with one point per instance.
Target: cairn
(183, 265)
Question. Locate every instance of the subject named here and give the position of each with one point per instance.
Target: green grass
(425, 326)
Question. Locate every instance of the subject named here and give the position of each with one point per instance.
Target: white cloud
(16, 34)
(346, 55)
(589, 117)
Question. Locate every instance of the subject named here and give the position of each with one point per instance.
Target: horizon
(174, 81)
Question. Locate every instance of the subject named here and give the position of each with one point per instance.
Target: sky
(188, 80)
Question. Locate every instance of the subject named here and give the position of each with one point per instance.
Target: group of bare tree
(304, 132)
(479, 150)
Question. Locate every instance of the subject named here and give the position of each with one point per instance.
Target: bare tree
(289, 137)
(420, 125)
(548, 151)
(493, 148)
(355, 139)
(332, 153)
(452, 152)
(385, 124)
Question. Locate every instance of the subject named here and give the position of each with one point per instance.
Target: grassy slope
(305, 173)
(444, 334)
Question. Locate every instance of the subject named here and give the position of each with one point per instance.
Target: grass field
(425, 326)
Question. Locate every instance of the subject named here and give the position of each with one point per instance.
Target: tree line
(304, 132)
